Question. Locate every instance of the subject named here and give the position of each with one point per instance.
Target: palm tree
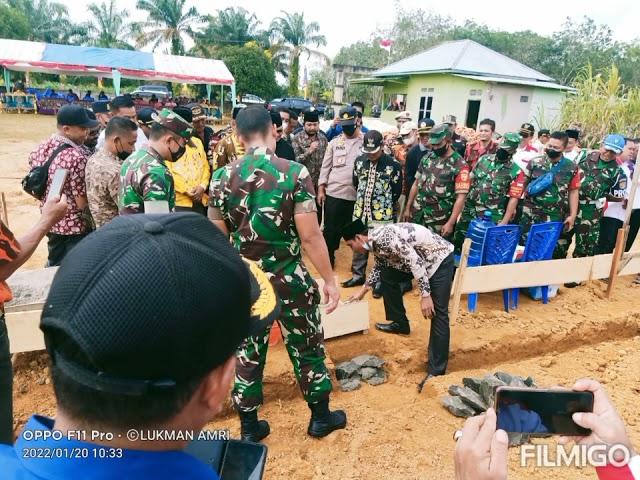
(293, 36)
(47, 21)
(167, 23)
(231, 26)
(109, 26)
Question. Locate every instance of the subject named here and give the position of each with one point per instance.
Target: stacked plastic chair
(499, 247)
(541, 242)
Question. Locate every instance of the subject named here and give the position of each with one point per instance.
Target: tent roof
(93, 61)
(464, 57)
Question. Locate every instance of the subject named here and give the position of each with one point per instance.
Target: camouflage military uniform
(598, 182)
(439, 180)
(144, 177)
(490, 183)
(552, 205)
(258, 197)
(227, 151)
(102, 176)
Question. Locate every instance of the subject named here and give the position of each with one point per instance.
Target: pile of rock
(368, 368)
(477, 394)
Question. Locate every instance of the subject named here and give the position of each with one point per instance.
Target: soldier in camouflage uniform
(144, 176)
(229, 148)
(558, 202)
(600, 174)
(491, 179)
(268, 206)
(441, 185)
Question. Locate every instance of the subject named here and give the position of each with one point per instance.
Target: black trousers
(60, 245)
(6, 387)
(440, 283)
(337, 214)
(609, 232)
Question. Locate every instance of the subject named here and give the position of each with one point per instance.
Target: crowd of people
(275, 185)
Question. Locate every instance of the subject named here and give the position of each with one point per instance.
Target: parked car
(160, 91)
(321, 107)
(295, 103)
(247, 99)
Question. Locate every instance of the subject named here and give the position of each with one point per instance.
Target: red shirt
(73, 159)
(476, 149)
(9, 250)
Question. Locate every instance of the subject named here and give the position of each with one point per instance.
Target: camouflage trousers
(433, 223)
(470, 212)
(304, 340)
(586, 230)
(528, 218)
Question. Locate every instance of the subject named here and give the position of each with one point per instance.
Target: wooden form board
(347, 318)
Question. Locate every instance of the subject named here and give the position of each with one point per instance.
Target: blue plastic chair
(499, 247)
(541, 242)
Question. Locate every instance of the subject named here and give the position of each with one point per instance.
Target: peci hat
(347, 116)
(439, 133)
(544, 131)
(372, 142)
(573, 133)
(100, 107)
(354, 228)
(74, 115)
(311, 116)
(425, 125)
(175, 123)
(127, 313)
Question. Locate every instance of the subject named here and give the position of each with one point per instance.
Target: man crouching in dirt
(404, 251)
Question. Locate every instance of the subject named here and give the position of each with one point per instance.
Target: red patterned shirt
(73, 159)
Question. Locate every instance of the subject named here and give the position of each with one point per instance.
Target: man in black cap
(229, 149)
(543, 138)
(66, 150)
(134, 352)
(92, 138)
(378, 181)
(404, 251)
(123, 106)
(336, 192)
(572, 152)
(417, 152)
(458, 142)
(310, 145)
(527, 131)
(201, 130)
(283, 148)
(101, 109)
(145, 120)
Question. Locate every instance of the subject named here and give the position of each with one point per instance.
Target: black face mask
(553, 154)
(502, 154)
(441, 151)
(349, 130)
(175, 156)
(122, 154)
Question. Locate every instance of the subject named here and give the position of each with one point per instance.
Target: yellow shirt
(191, 169)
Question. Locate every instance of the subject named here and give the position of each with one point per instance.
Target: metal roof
(516, 81)
(464, 57)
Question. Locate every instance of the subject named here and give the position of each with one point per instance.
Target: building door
(426, 103)
(473, 110)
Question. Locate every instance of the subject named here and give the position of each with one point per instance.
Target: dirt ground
(394, 432)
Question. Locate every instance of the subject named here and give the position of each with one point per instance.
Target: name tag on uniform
(158, 206)
(340, 159)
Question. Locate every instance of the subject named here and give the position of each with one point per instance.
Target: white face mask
(409, 140)
(285, 125)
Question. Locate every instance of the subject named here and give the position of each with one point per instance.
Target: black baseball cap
(350, 230)
(75, 116)
(100, 107)
(144, 116)
(128, 311)
(372, 141)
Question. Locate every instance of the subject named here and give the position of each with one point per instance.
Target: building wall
(502, 103)
(545, 108)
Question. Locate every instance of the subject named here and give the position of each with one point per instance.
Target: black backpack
(35, 182)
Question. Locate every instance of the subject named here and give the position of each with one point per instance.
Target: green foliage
(602, 104)
(321, 83)
(109, 27)
(251, 68)
(231, 26)
(13, 24)
(363, 54)
(45, 21)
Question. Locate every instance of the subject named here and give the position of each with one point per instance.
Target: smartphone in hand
(57, 183)
(541, 412)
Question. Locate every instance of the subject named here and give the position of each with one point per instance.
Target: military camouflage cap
(510, 141)
(439, 133)
(175, 123)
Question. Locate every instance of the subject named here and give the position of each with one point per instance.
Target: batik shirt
(409, 248)
(378, 187)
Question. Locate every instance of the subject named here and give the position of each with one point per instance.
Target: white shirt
(141, 142)
(616, 209)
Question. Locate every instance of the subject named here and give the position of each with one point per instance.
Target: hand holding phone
(57, 183)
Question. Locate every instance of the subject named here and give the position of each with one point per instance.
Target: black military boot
(252, 429)
(323, 421)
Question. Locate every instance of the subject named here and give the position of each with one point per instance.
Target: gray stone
(378, 379)
(368, 372)
(350, 384)
(368, 361)
(346, 370)
(517, 382)
(457, 407)
(504, 376)
(472, 383)
(529, 382)
(469, 397)
(488, 387)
